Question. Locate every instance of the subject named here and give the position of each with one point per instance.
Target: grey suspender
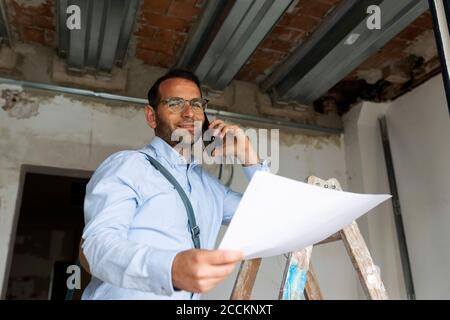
(193, 227)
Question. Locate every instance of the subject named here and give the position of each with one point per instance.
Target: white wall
(419, 132)
(367, 174)
(78, 133)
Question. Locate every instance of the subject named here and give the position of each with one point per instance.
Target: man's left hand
(235, 142)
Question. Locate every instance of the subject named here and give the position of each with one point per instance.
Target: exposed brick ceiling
(289, 32)
(162, 29)
(33, 23)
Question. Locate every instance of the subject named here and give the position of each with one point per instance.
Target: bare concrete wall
(69, 132)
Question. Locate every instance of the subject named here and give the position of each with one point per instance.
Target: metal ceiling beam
(200, 33)
(238, 36)
(102, 41)
(4, 34)
(332, 31)
(327, 57)
(395, 16)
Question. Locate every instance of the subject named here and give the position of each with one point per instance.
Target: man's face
(166, 121)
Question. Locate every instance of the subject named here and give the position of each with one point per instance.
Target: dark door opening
(48, 232)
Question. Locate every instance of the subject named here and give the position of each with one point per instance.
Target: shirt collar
(164, 150)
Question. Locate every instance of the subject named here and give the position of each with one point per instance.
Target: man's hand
(235, 142)
(198, 270)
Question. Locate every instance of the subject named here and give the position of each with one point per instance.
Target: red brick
(43, 10)
(155, 45)
(246, 74)
(352, 76)
(409, 33)
(158, 6)
(153, 58)
(288, 34)
(50, 38)
(285, 20)
(200, 3)
(166, 22)
(184, 10)
(44, 22)
(188, 2)
(23, 19)
(169, 36)
(17, 7)
(305, 23)
(424, 21)
(268, 54)
(374, 61)
(260, 65)
(275, 44)
(33, 35)
(146, 31)
(332, 2)
(394, 49)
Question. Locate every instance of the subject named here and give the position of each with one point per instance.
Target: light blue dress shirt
(136, 221)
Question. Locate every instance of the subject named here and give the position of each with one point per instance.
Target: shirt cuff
(249, 171)
(160, 265)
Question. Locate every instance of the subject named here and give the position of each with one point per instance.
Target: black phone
(208, 138)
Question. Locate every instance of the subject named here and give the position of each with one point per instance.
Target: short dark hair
(153, 94)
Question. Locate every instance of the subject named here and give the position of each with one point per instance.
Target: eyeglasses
(176, 104)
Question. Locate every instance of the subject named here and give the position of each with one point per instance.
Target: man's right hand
(198, 270)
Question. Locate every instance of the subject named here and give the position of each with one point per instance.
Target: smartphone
(206, 140)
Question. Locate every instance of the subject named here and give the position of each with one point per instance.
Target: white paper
(278, 215)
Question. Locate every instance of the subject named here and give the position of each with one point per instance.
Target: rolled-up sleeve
(112, 198)
(232, 198)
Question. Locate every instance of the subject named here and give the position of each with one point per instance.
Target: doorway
(48, 230)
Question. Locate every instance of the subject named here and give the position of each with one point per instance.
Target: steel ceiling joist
(330, 33)
(200, 33)
(395, 16)
(242, 30)
(4, 35)
(103, 38)
(328, 56)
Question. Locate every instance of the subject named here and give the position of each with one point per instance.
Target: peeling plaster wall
(57, 131)
(37, 63)
(70, 132)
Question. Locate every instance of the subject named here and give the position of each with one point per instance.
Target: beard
(175, 135)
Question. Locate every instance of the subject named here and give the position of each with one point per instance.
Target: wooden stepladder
(300, 281)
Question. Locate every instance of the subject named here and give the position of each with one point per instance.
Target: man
(137, 241)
